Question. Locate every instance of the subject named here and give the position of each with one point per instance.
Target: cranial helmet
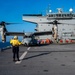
(15, 37)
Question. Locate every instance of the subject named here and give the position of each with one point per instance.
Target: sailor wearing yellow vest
(15, 47)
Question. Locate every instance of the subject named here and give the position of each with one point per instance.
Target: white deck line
(22, 56)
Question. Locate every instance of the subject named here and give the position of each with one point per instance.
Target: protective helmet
(15, 37)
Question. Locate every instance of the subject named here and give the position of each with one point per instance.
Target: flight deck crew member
(15, 47)
(54, 29)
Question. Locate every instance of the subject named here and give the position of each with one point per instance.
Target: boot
(18, 59)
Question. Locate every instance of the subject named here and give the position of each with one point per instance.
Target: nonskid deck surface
(40, 60)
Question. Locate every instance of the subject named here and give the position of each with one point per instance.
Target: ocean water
(4, 45)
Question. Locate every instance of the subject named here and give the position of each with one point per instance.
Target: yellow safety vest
(15, 42)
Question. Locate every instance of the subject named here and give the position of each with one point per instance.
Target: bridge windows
(65, 15)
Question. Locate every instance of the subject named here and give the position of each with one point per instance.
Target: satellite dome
(71, 10)
(50, 11)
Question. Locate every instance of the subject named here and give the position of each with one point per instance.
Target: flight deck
(53, 59)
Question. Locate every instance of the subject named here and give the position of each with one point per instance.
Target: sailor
(54, 29)
(15, 47)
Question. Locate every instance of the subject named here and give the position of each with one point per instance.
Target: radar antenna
(59, 10)
(70, 10)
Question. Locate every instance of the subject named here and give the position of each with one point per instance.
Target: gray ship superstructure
(65, 25)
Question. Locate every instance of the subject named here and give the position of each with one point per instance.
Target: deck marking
(22, 56)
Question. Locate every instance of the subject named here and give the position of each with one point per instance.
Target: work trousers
(15, 50)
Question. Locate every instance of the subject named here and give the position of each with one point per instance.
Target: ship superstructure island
(64, 22)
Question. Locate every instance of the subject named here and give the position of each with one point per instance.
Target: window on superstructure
(68, 15)
(59, 15)
(56, 15)
(51, 15)
(63, 15)
(48, 15)
(74, 15)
